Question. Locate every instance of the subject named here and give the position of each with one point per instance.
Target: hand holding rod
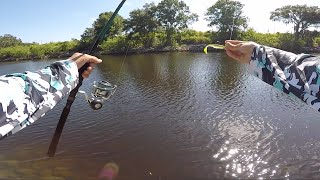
(73, 93)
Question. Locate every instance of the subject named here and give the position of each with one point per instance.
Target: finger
(81, 59)
(86, 74)
(234, 41)
(92, 65)
(233, 47)
(92, 59)
(90, 69)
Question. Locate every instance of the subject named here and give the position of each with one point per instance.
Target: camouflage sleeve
(25, 97)
(297, 75)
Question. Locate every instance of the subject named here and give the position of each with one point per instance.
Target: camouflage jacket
(25, 97)
(297, 75)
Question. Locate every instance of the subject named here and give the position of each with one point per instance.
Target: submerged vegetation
(165, 27)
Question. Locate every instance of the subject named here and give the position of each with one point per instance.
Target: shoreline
(192, 48)
(182, 48)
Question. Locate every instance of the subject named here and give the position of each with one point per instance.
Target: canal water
(174, 116)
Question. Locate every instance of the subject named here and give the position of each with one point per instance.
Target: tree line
(166, 24)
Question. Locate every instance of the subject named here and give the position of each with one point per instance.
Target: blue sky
(59, 20)
(53, 20)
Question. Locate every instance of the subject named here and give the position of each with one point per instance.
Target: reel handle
(96, 104)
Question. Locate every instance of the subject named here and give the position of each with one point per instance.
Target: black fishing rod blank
(101, 91)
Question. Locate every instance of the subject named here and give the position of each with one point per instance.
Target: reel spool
(101, 91)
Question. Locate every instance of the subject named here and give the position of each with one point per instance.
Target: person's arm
(293, 74)
(25, 97)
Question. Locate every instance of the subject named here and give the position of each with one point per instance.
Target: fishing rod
(101, 91)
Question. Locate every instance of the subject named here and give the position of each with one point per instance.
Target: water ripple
(174, 116)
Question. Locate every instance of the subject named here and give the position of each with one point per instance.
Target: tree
(8, 40)
(227, 16)
(174, 15)
(93, 32)
(190, 36)
(142, 22)
(87, 36)
(117, 24)
(301, 16)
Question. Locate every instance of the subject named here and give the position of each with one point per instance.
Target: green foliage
(159, 38)
(316, 42)
(194, 37)
(288, 42)
(227, 17)
(285, 41)
(120, 44)
(87, 38)
(116, 28)
(142, 21)
(114, 44)
(267, 39)
(142, 24)
(146, 24)
(309, 36)
(302, 16)
(8, 40)
(174, 15)
(91, 33)
(166, 24)
(14, 52)
(38, 51)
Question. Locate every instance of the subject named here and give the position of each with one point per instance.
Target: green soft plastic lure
(215, 46)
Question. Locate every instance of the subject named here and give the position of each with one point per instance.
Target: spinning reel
(101, 91)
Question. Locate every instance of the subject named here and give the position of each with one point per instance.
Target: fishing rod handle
(82, 69)
(64, 115)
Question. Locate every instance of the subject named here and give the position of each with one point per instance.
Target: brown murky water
(174, 116)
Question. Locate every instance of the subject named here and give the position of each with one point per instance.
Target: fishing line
(123, 61)
(129, 38)
(232, 27)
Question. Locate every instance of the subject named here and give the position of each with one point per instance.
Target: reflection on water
(174, 116)
(244, 163)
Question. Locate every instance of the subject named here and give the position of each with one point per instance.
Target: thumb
(85, 58)
(94, 60)
(90, 59)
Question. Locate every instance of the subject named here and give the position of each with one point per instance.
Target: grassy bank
(187, 40)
